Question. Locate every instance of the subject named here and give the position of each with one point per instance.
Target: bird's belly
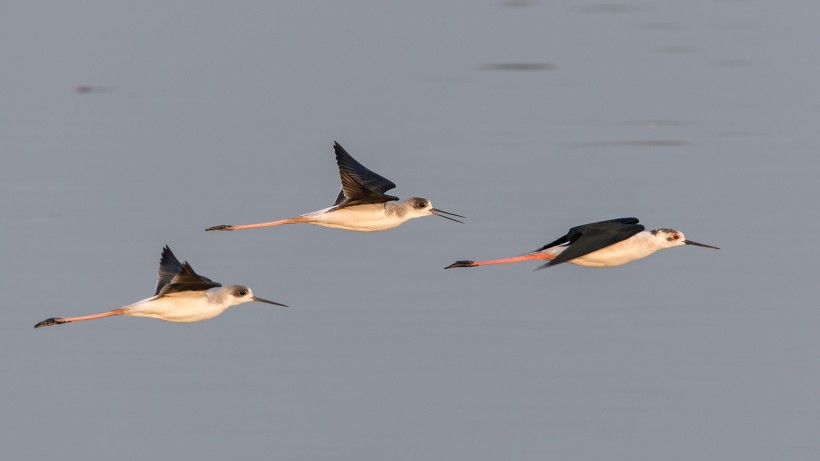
(360, 218)
(173, 309)
(614, 255)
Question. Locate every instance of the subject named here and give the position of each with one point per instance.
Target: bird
(361, 205)
(181, 295)
(610, 243)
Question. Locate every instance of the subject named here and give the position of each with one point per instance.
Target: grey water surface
(126, 126)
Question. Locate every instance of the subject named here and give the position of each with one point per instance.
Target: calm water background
(528, 117)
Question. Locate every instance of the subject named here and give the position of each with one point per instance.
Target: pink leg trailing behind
(228, 227)
(59, 320)
(514, 259)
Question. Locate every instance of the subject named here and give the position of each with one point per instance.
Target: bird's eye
(676, 236)
(241, 292)
(421, 204)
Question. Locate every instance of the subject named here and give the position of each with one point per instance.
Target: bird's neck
(217, 297)
(650, 241)
(395, 209)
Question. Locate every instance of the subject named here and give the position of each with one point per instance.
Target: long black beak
(269, 302)
(689, 242)
(438, 212)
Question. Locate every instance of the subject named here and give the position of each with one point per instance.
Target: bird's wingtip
(542, 266)
(167, 254)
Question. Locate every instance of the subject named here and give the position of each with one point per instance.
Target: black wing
(169, 266)
(591, 237)
(359, 185)
(175, 277)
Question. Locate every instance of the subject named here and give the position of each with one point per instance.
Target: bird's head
(417, 207)
(668, 238)
(239, 294)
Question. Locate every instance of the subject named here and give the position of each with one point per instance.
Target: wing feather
(175, 277)
(359, 185)
(169, 266)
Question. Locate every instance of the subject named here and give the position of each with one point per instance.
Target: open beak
(442, 213)
(689, 242)
(269, 302)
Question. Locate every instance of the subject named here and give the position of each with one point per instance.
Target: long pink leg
(228, 227)
(514, 259)
(59, 320)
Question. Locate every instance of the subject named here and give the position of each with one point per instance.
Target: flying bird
(181, 296)
(361, 205)
(601, 244)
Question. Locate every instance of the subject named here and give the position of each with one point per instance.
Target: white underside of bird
(361, 218)
(186, 306)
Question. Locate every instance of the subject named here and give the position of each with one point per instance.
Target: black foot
(221, 227)
(49, 322)
(463, 263)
